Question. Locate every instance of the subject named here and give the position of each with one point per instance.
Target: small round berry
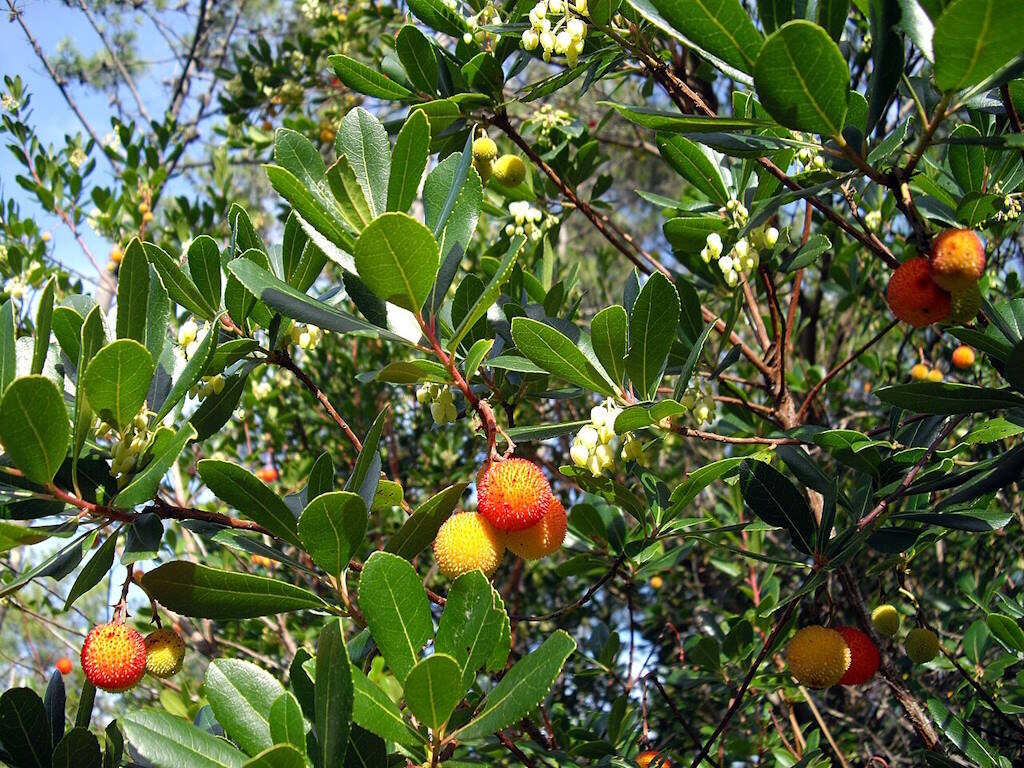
(114, 657)
(958, 259)
(165, 651)
(267, 474)
(64, 665)
(963, 358)
(886, 619)
(513, 494)
(817, 656)
(509, 170)
(914, 297)
(484, 149)
(919, 372)
(542, 539)
(467, 542)
(921, 644)
(935, 375)
(863, 657)
(657, 582)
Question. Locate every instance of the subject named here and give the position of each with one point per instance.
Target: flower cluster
(808, 159)
(9, 103)
(442, 403)
(206, 386)
(594, 447)
(564, 37)
(15, 287)
(261, 389)
(306, 336)
(873, 220)
(1011, 208)
(487, 15)
(528, 220)
(699, 402)
(128, 444)
(188, 335)
(745, 254)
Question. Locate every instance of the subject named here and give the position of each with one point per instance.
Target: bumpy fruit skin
(509, 170)
(513, 494)
(958, 259)
(652, 759)
(886, 619)
(467, 542)
(114, 657)
(64, 665)
(922, 645)
(818, 656)
(964, 305)
(484, 149)
(863, 657)
(963, 358)
(165, 650)
(543, 539)
(914, 297)
(919, 372)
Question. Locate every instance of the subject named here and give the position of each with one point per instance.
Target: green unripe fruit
(964, 305)
(484, 149)
(483, 168)
(509, 171)
(922, 645)
(886, 620)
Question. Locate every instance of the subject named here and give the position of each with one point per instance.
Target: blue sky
(50, 22)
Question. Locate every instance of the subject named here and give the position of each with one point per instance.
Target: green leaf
(408, 161)
(67, 327)
(397, 611)
(331, 527)
(490, 293)
(24, 728)
(452, 218)
(144, 485)
(832, 16)
(947, 399)
(196, 590)
(652, 326)
(374, 711)
(191, 373)
(78, 748)
(967, 162)
(95, 570)
(673, 122)
(470, 626)
(348, 193)
(693, 163)
(973, 39)
(216, 410)
(93, 337)
(698, 480)
(437, 16)
(167, 741)
(721, 27)
(204, 268)
(365, 749)
(240, 695)
(608, 332)
(1007, 631)
(144, 536)
(522, 688)
(363, 79)
(802, 79)
(557, 354)
(644, 415)
(769, 495)
(278, 756)
(34, 427)
(365, 142)
(602, 11)
(433, 689)
(286, 723)
(422, 525)
(44, 320)
(177, 283)
(398, 258)
(690, 233)
(365, 475)
(480, 349)
(241, 489)
(318, 215)
(8, 359)
(117, 380)
(417, 57)
(334, 695)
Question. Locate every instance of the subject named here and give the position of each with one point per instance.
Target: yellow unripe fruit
(657, 582)
(147, 217)
(935, 375)
(45, 237)
(116, 254)
(817, 656)
(509, 171)
(143, 207)
(922, 645)
(886, 619)
(467, 542)
(543, 538)
(165, 650)
(919, 372)
(484, 149)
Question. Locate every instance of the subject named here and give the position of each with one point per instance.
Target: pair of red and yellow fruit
(115, 656)
(516, 511)
(942, 287)
(820, 657)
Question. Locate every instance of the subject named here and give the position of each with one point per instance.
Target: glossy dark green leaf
(693, 163)
(286, 723)
(217, 409)
(177, 283)
(974, 38)
(417, 57)
(331, 527)
(334, 695)
(278, 756)
(948, 398)
(366, 473)
(166, 741)
(723, 28)
(364, 141)
(363, 79)
(241, 695)
(397, 257)
(34, 427)
(652, 325)
(769, 495)
(470, 626)
(44, 319)
(241, 489)
(374, 711)
(557, 354)
(144, 485)
(197, 590)
(95, 570)
(408, 161)
(24, 728)
(204, 268)
(77, 749)
(490, 293)
(117, 380)
(8, 360)
(433, 689)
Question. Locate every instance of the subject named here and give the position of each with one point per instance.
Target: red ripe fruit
(913, 295)
(513, 494)
(64, 665)
(267, 474)
(863, 656)
(114, 657)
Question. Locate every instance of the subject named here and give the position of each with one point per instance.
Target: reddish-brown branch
(282, 358)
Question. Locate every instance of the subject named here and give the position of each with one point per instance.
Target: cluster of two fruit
(942, 287)
(115, 656)
(516, 511)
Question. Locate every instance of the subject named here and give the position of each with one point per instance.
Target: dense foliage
(365, 251)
